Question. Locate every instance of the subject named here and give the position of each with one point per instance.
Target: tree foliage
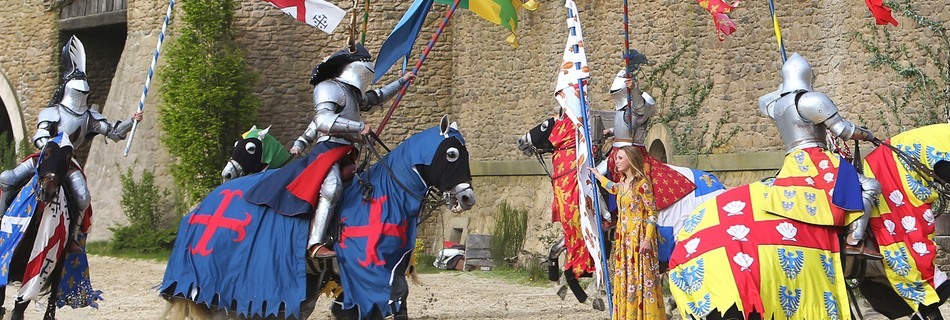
(206, 89)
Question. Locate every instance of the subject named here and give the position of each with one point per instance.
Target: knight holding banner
(68, 114)
(802, 116)
(341, 91)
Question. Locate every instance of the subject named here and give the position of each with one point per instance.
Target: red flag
(719, 9)
(882, 14)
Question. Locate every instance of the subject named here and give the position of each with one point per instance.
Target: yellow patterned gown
(637, 290)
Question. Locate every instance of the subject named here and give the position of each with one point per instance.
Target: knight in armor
(341, 91)
(70, 115)
(802, 116)
(630, 119)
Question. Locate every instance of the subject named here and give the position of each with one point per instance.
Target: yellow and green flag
(500, 12)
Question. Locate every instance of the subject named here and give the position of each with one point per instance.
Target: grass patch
(103, 248)
(424, 264)
(516, 276)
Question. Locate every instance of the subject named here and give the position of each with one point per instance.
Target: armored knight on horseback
(802, 116)
(341, 91)
(69, 114)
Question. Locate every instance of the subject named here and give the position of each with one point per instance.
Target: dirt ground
(130, 291)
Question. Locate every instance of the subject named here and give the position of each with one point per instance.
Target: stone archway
(657, 143)
(12, 116)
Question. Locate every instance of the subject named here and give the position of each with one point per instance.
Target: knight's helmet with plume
(74, 88)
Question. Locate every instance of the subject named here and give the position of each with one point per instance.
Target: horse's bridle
(369, 142)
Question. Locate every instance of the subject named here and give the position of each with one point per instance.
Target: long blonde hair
(636, 160)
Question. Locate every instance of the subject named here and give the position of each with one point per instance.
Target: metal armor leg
(329, 195)
(10, 179)
(870, 190)
(80, 198)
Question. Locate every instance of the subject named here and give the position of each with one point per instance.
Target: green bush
(511, 228)
(144, 204)
(10, 157)
(207, 94)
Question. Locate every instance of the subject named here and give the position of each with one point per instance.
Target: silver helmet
(797, 74)
(359, 74)
(617, 91)
(75, 87)
(75, 92)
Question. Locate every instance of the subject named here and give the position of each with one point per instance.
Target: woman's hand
(646, 247)
(594, 171)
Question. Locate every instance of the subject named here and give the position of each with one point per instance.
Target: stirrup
(315, 252)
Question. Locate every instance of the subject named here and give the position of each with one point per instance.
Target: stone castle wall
(494, 91)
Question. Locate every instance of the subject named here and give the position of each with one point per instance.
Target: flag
(400, 40)
(719, 10)
(882, 14)
(568, 93)
(500, 12)
(318, 13)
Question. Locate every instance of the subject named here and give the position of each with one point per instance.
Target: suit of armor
(71, 116)
(338, 101)
(802, 116)
(630, 119)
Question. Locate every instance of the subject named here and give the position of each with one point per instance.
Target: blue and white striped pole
(151, 71)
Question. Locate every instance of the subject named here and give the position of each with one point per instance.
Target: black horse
(44, 206)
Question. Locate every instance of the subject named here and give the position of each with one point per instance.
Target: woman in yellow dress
(637, 289)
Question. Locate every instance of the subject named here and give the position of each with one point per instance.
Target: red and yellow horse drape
(770, 247)
(565, 208)
(903, 222)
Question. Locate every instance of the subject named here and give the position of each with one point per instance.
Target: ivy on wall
(924, 96)
(206, 89)
(680, 95)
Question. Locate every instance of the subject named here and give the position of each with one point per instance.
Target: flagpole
(778, 30)
(582, 84)
(415, 69)
(148, 78)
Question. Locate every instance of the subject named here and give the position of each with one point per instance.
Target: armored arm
(304, 140)
(818, 108)
(115, 132)
(329, 100)
(45, 126)
(378, 96)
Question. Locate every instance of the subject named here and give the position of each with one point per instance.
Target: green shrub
(145, 206)
(511, 228)
(10, 157)
(207, 95)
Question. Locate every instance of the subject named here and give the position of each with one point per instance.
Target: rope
(151, 71)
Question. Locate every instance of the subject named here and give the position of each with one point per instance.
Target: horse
(737, 260)
(671, 213)
(34, 236)
(374, 235)
(255, 152)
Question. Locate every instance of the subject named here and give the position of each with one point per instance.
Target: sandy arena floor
(130, 291)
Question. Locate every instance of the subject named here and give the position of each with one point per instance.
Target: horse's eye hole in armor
(250, 147)
(452, 154)
(236, 143)
(544, 126)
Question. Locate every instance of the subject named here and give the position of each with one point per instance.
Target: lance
(626, 49)
(778, 30)
(415, 69)
(151, 71)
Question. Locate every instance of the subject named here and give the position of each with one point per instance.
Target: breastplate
(797, 133)
(350, 110)
(633, 133)
(76, 126)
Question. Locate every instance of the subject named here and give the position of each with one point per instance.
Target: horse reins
(941, 187)
(368, 143)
